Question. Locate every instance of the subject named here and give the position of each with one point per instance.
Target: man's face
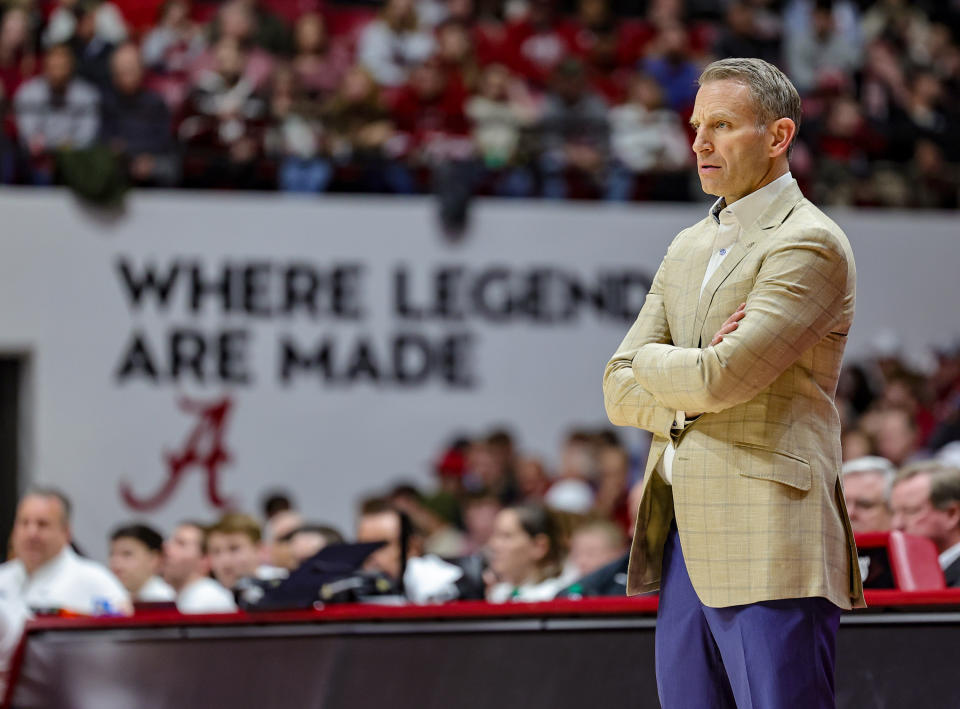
(232, 557)
(133, 562)
(384, 526)
(58, 68)
(913, 512)
(127, 70)
(40, 530)
(865, 494)
(183, 555)
(732, 154)
(591, 549)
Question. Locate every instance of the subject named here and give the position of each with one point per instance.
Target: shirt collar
(748, 209)
(949, 556)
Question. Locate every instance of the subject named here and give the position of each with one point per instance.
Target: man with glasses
(866, 489)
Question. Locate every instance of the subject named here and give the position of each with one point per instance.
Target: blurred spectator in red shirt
(18, 55)
(536, 44)
(595, 35)
(136, 123)
(320, 61)
(935, 183)
(105, 19)
(456, 56)
(394, 43)
(224, 119)
(645, 137)
(236, 22)
(574, 134)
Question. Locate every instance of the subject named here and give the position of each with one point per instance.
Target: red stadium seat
(913, 560)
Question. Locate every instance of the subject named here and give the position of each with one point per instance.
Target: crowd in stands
(553, 98)
(496, 524)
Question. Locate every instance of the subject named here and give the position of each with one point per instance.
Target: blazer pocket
(779, 466)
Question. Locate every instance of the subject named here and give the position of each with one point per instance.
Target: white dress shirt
(949, 556)
(205, 596)
(731, 220)
(156, 590)
(67, 582)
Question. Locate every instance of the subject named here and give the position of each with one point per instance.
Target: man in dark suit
(926, 501)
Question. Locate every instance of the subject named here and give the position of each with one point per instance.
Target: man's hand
(730, 325)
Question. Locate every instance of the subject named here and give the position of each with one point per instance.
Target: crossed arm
(795, 302)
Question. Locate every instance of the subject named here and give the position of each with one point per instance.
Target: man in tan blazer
(732, 364)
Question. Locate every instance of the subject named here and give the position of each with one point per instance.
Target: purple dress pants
(768, 655)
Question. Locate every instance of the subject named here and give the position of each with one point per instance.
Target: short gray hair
(871, 465)
(54, 494)
(774, 95)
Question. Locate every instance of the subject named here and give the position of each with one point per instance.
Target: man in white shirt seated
(136, 553)
(187, 569)
(235, 551)
(45, 573)
(926, 501)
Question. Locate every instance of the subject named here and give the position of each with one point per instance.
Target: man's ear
(782, 132)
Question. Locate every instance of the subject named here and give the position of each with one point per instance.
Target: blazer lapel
(773, 216)
(695, 267)
(737, 252)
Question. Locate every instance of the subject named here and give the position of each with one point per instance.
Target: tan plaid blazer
(756, 490)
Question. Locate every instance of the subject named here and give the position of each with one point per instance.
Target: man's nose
(700, 143)
(897, 522)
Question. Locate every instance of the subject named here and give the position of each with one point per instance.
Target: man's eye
(721, 124)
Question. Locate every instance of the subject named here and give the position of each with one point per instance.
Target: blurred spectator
(271, 31)
(295, 137)
(362, 137)
(613, 469)
(846, 145)
(136, 555)
(233, 545)
(595, 35)
(489, 471)
(480, 510)
(103, 20)
(645, 137)
(136, 123)
(276, 538)
(525, 556)
(500, 113)
(896, 436)
(45, 573)
(935, 184)
(171, 49)
(741, 36)
(224, 120)
(866, 489)
(440, 537)
(236, 22)
(305, 541)
(456, 56)
(55, 110)
(379, 521)
(536, 44)
(92, 47)
(926, 502)
(276, 501)
(18, 55)
(670, 64)
(594, 545)
(820, 52)
(394, 43)
(532, 480)
(574, 135)
(320, 61)
(186, 567)
(855, 443)
(13, 616)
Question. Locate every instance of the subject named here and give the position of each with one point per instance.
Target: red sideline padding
(913, 560)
